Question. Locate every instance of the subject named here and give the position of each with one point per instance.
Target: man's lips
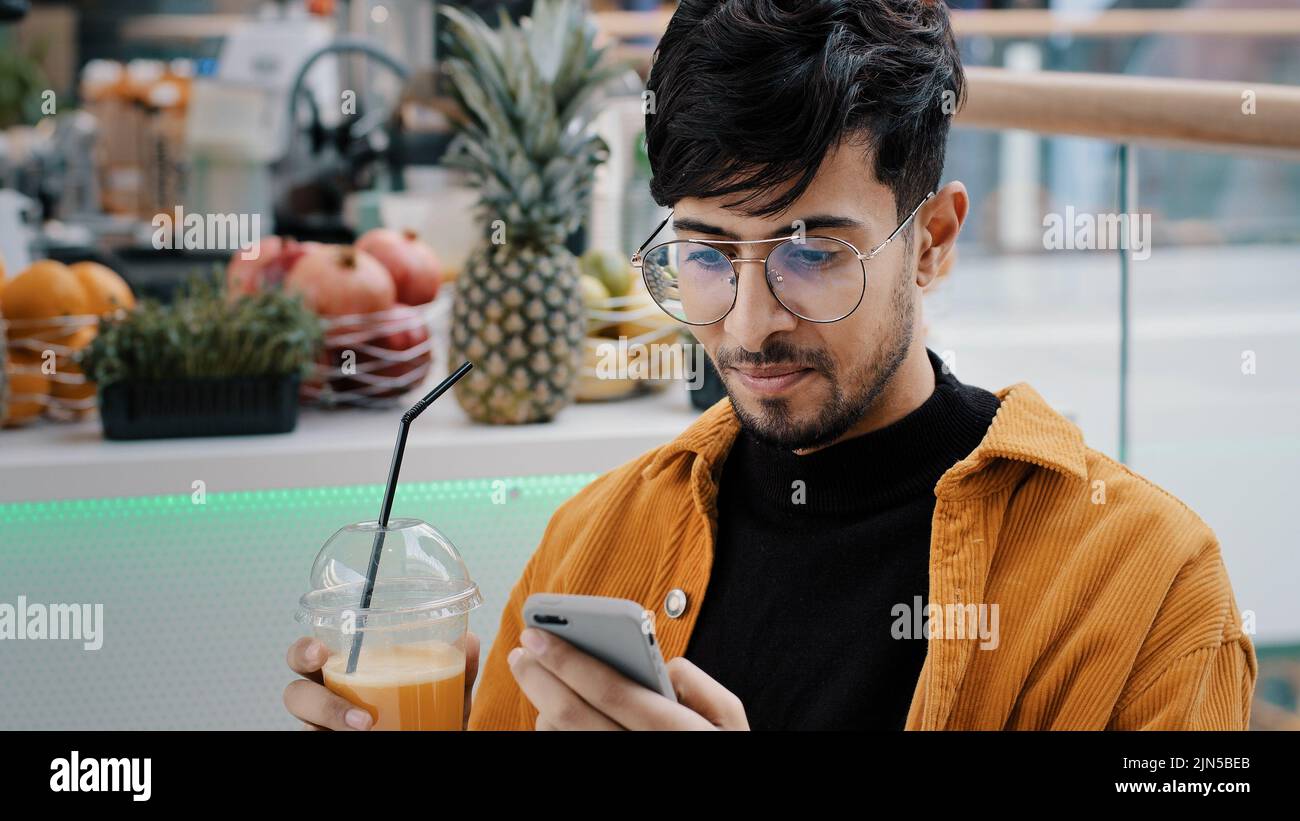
(768, 370)
(771, 379)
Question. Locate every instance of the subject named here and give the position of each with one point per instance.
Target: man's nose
(756, 314)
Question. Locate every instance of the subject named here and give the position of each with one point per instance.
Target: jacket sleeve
(1207, 689)
(499, 704)
(1197, 669)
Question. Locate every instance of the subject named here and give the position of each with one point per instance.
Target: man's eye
(706, 257)
(812, 258)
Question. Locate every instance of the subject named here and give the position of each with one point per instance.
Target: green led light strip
(408, 494)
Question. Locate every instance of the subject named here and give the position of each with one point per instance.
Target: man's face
(799, 384)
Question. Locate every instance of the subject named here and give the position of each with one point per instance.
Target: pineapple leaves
(473, 98)
(548, 36)
(527, 91)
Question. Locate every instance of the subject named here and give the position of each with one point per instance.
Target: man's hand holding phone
(574, 691)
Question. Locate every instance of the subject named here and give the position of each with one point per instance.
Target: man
(852, 538)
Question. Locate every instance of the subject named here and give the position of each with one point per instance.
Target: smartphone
(619, 632)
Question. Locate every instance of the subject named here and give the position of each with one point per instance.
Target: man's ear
(938, 224)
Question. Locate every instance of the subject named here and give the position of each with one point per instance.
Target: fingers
(306, 656)
(699, 692)
(557, 705)
(598, 687)
(308, 699)
(314, 704)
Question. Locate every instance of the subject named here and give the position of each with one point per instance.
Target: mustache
(775, 353)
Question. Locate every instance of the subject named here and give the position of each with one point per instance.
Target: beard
(852, 393)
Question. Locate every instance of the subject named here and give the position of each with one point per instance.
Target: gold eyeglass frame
(637, 259)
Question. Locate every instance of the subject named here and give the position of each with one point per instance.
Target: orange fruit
(71, 391)
(27, 388)
(47, 290)
(107, 291)
(62, 349)
(81, 337)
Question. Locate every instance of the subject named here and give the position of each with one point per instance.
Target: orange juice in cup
(401, 656)
(417, 686)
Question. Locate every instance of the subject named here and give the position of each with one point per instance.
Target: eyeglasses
(818, 279)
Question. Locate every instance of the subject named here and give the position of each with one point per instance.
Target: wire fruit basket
(372, 360)
(44, 351)
(632, 347)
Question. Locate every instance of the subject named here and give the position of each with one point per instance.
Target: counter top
(51, 460)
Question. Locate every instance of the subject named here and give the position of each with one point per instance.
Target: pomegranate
(411, 334)
(415, 268)
(401, 331)
(338, 279)
(276, 256)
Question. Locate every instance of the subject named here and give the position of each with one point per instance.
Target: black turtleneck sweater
(797, 616)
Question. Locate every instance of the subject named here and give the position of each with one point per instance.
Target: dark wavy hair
(752, 93)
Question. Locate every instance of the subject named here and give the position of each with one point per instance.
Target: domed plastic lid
(421, 577)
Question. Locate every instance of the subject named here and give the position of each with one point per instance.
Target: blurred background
(324, 127)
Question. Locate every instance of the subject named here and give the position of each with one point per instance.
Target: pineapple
(518, 313)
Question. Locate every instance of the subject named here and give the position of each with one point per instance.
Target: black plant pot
(231, 406)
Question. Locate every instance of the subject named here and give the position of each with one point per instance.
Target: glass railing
(1154, 338)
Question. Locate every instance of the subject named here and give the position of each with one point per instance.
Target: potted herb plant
(204, 365)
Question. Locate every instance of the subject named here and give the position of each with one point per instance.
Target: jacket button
(675, 602)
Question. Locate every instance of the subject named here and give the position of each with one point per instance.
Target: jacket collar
(1025, 429)
(710, 437)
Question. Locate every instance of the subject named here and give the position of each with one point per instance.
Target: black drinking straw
(387, 508)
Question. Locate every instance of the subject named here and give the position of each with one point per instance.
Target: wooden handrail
(1128, 22)
(1042, 23)
(1196, 114)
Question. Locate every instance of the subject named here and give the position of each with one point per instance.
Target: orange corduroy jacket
(1114, 606)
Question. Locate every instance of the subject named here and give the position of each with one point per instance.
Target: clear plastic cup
(410, 669)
